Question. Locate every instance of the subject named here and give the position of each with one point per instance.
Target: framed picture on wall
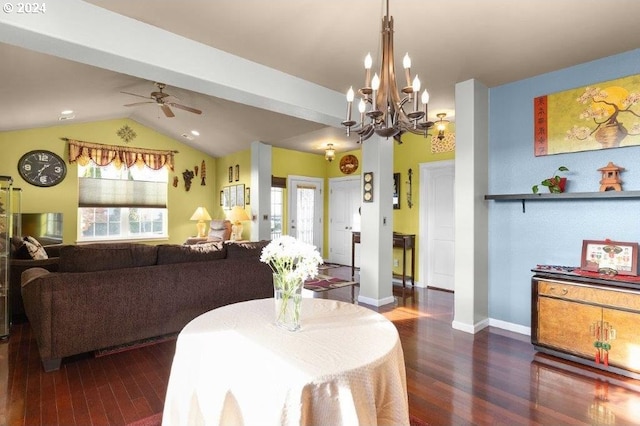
(227, 198)
(247, 196)
(396, 190)
(237, 172)
(230, 174)
(240, 195)
(222, 198)
(232, 196)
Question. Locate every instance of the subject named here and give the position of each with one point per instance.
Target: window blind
(121, 193)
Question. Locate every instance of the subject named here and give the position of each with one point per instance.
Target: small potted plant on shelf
(556, 184)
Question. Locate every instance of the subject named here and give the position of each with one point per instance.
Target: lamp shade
(200, 214)
(238, 214)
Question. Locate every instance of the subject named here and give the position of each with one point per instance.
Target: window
(277, 207)
(121, 203)
(54, 225)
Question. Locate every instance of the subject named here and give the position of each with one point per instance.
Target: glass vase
(287, 293)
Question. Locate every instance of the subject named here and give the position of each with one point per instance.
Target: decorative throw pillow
(216, 235)
(35, 249)
(217, 224)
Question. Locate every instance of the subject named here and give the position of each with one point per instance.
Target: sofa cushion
(173, 253)
(245, 249)
(34, 248)
(105, 257)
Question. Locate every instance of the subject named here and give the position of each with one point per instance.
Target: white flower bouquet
(292, 262)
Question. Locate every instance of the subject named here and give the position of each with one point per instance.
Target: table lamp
(201, 214)
(236, 216)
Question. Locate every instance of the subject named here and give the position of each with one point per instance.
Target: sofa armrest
(18, 266)
(31, 274)
(36, 294)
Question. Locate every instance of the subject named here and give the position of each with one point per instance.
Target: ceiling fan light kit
(387, 115)
(159, 99)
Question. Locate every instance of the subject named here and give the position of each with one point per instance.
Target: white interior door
(305, 209)
(344, 217)
(437, 212)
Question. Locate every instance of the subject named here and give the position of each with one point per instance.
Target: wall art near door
(367, 187)
(396, 190)
(599, 116)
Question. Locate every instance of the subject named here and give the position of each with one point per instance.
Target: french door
(305, 209)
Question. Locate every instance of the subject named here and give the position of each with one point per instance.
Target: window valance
(102, 155)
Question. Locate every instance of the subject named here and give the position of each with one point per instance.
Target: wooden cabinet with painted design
(592, 321)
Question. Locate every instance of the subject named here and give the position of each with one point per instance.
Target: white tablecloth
(233, 366)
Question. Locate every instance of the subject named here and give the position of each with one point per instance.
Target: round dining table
(234, 366)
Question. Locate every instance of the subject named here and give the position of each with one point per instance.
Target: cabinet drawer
(593, 295)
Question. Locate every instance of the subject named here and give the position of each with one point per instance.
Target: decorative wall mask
(187, 175)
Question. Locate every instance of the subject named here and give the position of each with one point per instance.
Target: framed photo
(240, 195)
(247, 196)
(610, 257)
(227, 198)
(237, 172)
(396, 190)
(230, 174)
(232, 196)
(222, 198)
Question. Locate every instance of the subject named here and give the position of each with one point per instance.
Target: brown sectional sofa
(108, 295)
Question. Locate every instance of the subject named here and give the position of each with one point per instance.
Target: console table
(587, 318)
(403, 241)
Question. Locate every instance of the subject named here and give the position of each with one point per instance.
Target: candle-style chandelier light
(386, 109)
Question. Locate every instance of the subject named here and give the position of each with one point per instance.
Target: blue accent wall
(550, 232)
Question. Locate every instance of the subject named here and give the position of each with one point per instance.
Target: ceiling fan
(159, 99)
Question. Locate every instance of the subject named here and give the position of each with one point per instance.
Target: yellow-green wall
(242, 159)
(64, 196)
(414, 150)
(286, 162)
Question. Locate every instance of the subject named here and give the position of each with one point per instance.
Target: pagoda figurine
(610, 178)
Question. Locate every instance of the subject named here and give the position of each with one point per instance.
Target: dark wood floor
(453, 378)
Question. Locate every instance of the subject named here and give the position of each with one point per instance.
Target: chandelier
(389, 112)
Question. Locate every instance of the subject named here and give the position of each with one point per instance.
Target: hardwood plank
(453, 378)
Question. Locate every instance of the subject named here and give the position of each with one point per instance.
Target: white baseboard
(470, 328)
(376, 302)
(509, 326)
(504, 325)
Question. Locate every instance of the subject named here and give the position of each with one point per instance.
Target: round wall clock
(348, 164)
(42, 168)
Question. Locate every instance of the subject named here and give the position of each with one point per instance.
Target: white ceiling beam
(82, 32)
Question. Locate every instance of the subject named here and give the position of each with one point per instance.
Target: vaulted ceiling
(322, 43)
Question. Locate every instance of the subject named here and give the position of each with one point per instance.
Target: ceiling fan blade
(167, 111)
(186, 108)
(135, 94)
(139, 103)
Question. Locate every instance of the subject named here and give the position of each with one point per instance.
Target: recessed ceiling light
(195, 133)
(66, 112)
